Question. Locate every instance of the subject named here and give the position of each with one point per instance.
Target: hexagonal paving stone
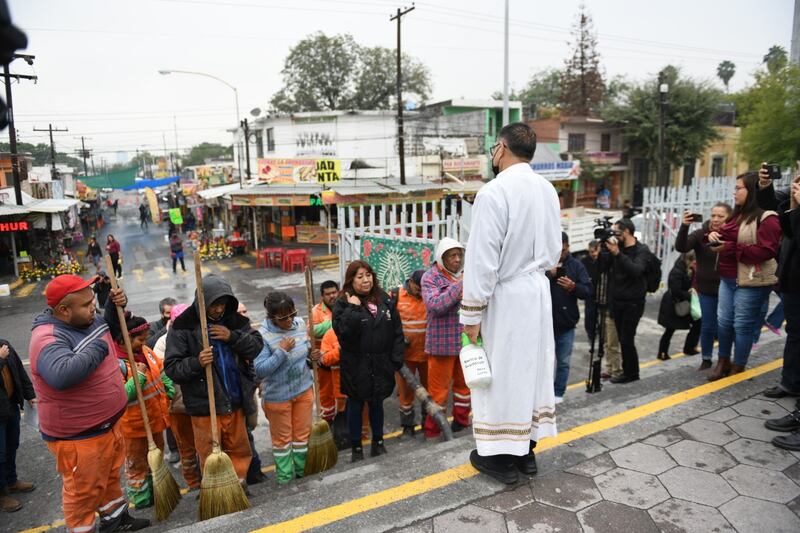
(609, 516)
(763, 454)
(794, 506)
(749, 515)
(708, 431)
(722, 415)
(643, 458)
(708, 457)
(631, 488)
(422, 527)
(469, 519)
(697, 486)
(762, 483)
(567, 491)
(508, 500)
(752, 428)
(542, 518)
(664, 438)
(594, 466)
(678, 516)
(760, 409)
(793, 473)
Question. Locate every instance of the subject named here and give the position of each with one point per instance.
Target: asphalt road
(148, 278)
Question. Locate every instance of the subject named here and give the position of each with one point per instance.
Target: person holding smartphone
(569, 282)
(706, 273)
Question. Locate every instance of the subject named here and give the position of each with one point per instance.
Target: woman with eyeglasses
(285, 381)
(747, 245)
(370, 334)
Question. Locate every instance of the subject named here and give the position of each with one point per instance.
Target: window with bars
(576, 142)
(270, 139)
(605, 142)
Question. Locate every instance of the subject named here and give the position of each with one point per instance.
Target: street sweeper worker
(412, 312)
(322, 318)
(75, 374)
(286, 384)
(157, 391)
(233, 345)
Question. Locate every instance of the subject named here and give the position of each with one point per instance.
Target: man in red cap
(81, 399)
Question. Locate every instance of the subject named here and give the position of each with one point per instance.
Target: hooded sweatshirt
(232, 368)
(442, 292)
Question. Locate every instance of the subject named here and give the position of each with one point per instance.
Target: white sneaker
(559, 399)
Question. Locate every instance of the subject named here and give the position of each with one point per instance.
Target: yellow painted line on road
(138, 273)
(243, 264)
(26, 290)
(464, 471)
(223, 267)
(162, 272)
(16, 283)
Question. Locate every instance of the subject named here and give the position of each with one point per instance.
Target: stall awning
(141, 184)
(216, 192)
(7, 196)
(118, 179)
(13, 209)
(51, 205)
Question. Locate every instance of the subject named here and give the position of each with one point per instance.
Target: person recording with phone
(747, 245)
(706, 273)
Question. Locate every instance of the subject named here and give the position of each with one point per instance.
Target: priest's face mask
(497, 152)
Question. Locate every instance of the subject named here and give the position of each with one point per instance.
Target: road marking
(26, 290)
(162, 272)
(16, 283)
(464, 471)
(223, 267)
(653, 362)
(138, 273)
(243, 264)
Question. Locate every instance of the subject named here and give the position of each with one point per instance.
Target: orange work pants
(181, 425)
(406, 393)
(444, 371)
(290, 427)
(90, 474)
(138, 481)
(327, 395)
(232, 439)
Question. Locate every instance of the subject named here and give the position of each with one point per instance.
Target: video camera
(604, 230)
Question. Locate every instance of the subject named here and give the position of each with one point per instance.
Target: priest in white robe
(515, 237)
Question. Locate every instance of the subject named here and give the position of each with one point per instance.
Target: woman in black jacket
(679, 284)
(370, 333)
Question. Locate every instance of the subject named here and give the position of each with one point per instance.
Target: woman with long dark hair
(115, 251)
(678, 298)
(747, 245)
(368, 326)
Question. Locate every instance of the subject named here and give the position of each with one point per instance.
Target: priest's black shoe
(527, 463)
(499, 467)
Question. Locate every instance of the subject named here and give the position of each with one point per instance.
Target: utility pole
(795, 51)
(50, 128)
(12, 132)
(84, 153)
(505, 70)
(246, 128)
(401, 145)
(175, 127)
(663, 89)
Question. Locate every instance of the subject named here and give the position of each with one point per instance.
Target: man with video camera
(627, 265)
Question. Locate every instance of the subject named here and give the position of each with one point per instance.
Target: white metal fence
(423, 222)
(663, 207)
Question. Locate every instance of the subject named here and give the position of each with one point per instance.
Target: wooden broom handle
(131, 360)
(310, 304)
(201, 304)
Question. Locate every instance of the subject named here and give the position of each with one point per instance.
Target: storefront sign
(465, 165)
(271, 201)
(395, 260)
(561, 170)
(292, 171)
(603, 158)
(8, 227)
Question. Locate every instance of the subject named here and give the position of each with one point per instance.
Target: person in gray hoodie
(233, 346)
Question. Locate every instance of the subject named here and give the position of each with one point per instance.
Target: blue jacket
(283, 376)
(565, 304)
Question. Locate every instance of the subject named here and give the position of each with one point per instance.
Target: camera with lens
(604, 230)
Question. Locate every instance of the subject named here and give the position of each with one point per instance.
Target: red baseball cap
(63, 285)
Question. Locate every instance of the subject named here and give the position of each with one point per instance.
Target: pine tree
(582, 85)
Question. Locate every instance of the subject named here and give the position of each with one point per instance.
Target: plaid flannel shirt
(442, 298)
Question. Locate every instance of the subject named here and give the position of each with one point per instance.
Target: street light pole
(663, 89)
(505, 71)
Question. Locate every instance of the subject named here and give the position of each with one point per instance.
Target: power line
(52, 147)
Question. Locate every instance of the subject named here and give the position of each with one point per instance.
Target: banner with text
(292, 171)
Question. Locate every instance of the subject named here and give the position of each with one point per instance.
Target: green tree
(327, 73)
(582, 85)
(688, 124)
(725, 71)
(770, 113)
(775, 59)
(203, 151)
(41, 154)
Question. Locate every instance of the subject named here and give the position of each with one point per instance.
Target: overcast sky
(98, 60)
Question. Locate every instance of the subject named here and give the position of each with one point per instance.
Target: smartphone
(773, 170)
(560, 272)
(697, 217)
(713, 243)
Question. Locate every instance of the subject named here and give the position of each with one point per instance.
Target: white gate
(423, 222)
(663, 208)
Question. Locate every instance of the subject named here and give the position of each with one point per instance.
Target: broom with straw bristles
(166, 492)
(322, 452)
(220, 490)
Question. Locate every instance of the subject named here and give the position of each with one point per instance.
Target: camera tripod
(593, 383)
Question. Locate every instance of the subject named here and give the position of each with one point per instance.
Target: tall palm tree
(725, 71)
(776, 58)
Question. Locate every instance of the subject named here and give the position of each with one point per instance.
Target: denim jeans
(9, 442)
(355, 408)
(736, 313)
(790, 375)
(708, 325)
(774, 319)
(564, 343)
